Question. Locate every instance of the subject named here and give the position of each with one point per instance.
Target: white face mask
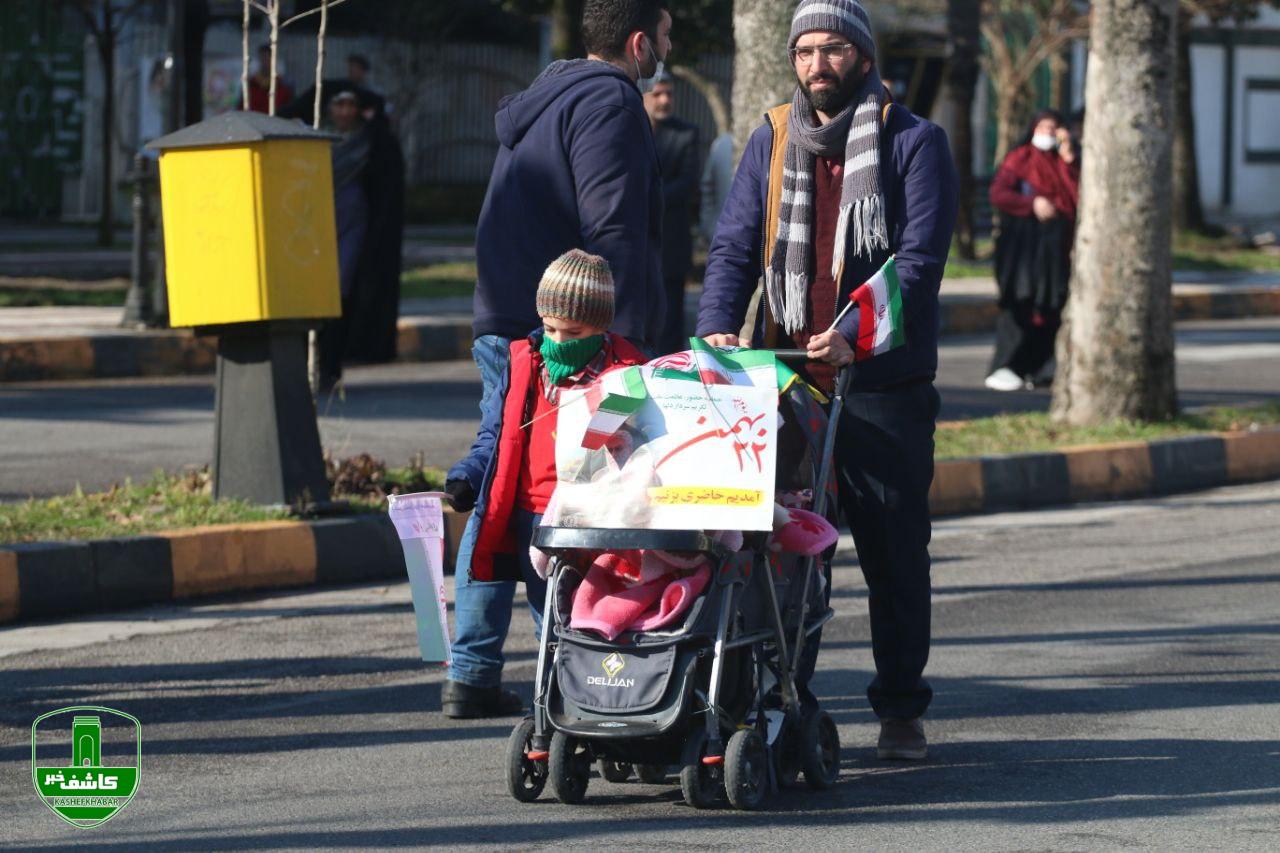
(646, 84)
(1045, 141)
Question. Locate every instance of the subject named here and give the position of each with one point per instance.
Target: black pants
(332, 342)
(884, 461)
(1024, 343)
(672, 338)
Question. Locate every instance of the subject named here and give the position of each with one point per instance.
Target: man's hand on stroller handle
(830, 346)
(725, 340)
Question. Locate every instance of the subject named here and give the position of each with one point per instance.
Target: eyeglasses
(830, 52)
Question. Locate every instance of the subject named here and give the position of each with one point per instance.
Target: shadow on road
(1041, 782)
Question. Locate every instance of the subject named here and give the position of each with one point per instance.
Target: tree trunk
(763, 77)
(1011, 115)
(963, 17)
(1060, 81)
(1115, 348)
(1188, 212)
(566, 29)
(107, 56)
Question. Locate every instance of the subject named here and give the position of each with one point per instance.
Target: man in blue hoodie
(577, 169)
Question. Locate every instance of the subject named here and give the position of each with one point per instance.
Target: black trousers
(332, 342)
(884, 461)
(1025, 342)
(672, 338)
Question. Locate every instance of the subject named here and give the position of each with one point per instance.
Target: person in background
(368, 181)
(717, 176)
(677, 143)
(359, 71)
(1036, 191)
(358, 68)
(260, 83)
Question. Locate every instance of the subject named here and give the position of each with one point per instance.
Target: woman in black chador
(1036, 190)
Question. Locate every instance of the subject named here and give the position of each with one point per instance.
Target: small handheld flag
(615, 397)
(880, 324)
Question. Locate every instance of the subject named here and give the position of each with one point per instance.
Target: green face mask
(568, 357)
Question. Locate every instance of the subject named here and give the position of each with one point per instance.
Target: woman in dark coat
(1036, 190)
(369, 201)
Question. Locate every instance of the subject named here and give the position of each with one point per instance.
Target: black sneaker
(902, 740)
(463, 702)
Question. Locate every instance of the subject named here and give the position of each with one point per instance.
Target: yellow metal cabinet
(249, 229)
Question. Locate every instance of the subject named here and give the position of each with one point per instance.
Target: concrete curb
(49, 579)
(424, 339)
(1103, 472)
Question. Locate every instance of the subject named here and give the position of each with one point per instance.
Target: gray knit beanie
(578, 287)
(846, 17)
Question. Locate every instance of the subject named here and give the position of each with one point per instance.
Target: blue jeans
(491, 354)
(482, 612)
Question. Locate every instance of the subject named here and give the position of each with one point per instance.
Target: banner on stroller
(688, 458)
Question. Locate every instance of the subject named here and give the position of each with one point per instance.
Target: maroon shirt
(820, 308)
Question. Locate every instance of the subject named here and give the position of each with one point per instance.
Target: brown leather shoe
(902, 740)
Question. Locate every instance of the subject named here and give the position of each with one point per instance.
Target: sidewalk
(38, 344)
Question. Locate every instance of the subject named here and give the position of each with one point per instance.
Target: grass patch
(437, 280)
(365, 481)
(172, 501)
(981, 266)
(165, 502)
(959, 268)
(43, 297)
(1034, 432)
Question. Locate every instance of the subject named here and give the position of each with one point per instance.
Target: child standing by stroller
(510, 474)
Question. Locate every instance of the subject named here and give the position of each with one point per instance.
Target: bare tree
(104, 19)
(762, 74)
(272, 10)
(964, 27)
(1115, 348)
(1020, 36)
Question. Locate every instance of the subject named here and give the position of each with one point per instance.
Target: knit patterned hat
(577, 287)
(846, 17)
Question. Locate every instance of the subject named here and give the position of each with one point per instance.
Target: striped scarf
(856, 132)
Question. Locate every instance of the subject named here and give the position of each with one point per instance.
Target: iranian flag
(614, 398)
(880, 324)
(703, 362)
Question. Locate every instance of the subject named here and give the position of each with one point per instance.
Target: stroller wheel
(525, 777)
(821, 750)
(746, 769)
(614, 771)
(699, 783)
(568, 768)
(652, 774)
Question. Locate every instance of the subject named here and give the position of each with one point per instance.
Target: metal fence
(443, 99)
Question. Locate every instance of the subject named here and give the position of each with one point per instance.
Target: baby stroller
(715, 695)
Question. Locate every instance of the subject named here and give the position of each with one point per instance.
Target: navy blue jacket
(577, 168)
(919, 183)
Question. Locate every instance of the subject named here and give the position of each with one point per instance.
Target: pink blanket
(608, 603)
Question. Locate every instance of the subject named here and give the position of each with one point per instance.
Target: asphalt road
(1106, 677)
(56, 435)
